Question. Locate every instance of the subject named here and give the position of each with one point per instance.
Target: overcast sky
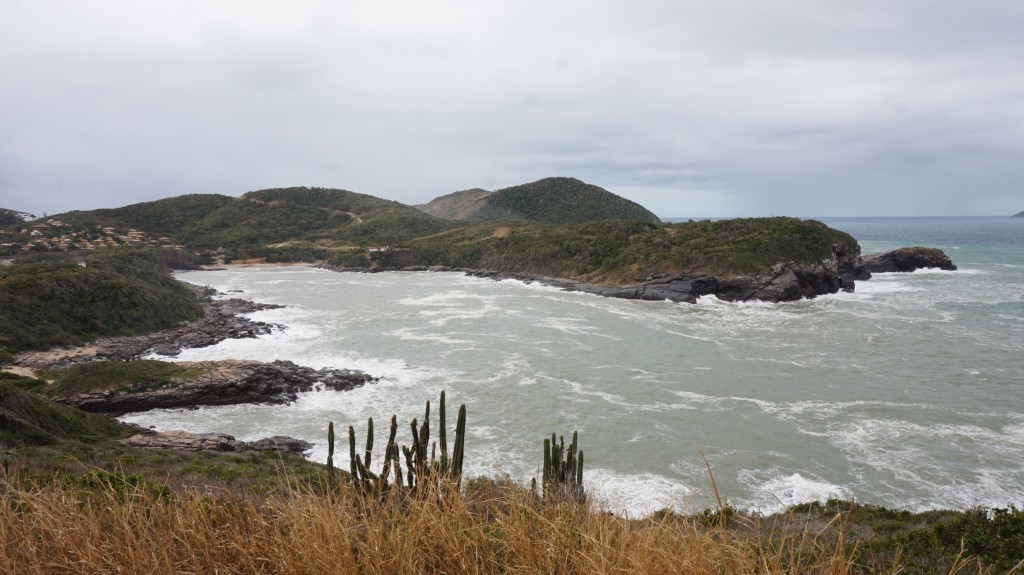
(690, 107)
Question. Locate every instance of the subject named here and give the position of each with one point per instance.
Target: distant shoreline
(248, 264)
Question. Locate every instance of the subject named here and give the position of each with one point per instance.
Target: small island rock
(905, 260)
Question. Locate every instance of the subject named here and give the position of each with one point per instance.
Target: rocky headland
(227, 382)
(222, 319)
(786, 282)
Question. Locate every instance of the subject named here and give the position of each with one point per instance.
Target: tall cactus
(330, 449)
(419, 469)
(562, 476)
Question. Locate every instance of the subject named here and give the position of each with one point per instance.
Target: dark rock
(785, 283)
(280, 443)
(178, 439)
(907, 260)
(227, 382)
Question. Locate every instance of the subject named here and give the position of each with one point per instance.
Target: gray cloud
(730, 108)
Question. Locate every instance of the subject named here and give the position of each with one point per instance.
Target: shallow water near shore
(907, 393)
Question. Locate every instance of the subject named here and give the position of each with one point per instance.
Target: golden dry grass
(499, 529)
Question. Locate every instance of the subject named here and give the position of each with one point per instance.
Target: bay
(906, 393)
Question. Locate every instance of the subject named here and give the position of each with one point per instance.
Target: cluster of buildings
(55, 235)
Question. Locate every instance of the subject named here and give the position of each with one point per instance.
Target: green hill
(559, 227)
(294, 223)
(558, 201)
(619, 251)
(48, 300)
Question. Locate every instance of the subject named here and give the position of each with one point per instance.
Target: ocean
(908, 393)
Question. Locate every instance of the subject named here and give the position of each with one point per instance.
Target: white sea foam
(774, 490)
(637, 495)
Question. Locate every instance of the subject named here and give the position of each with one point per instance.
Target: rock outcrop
(904, 260)
(226, 382)
(221, 321)
(786, 282)
(178, 439)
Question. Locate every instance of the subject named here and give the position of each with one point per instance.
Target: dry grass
(494, 529)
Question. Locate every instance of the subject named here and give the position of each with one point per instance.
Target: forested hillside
(619, 250)
(258, 220)
(59, 299)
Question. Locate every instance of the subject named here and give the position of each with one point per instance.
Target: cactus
(562, 475)
(330, 449)
(419, 470)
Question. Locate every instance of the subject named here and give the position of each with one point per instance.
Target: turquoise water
(907, 392)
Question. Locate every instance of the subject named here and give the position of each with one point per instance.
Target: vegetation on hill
(562, 228)
(60, 299)
(619, 251)
(1019, 215)
(557, 201)
(290, 222)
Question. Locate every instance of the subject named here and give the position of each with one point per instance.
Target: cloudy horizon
(736, 108)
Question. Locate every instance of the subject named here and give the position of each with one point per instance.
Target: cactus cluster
(420, 470)
(563, 470)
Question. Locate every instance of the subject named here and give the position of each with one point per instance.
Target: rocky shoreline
(221, 320)
(226, 382)
(786, 282)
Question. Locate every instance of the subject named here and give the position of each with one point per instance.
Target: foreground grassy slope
(52, 300)
(620, 251)
(88, 504)
(557, 201)
(114, 521)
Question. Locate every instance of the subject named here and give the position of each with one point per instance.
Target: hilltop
(1019, 215)
(558, 201)
(462, 205)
